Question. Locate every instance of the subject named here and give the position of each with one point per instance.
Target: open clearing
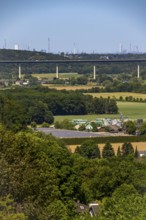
(141, 146)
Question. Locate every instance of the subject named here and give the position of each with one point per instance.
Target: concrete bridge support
(20, 75)
(138, 72)
(94, 72)
(57, 72)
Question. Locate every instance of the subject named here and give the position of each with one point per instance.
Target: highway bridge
(71, 61)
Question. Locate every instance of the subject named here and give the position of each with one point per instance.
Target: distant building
(16, 47)
(93, 209)
(99, 122)
(89, 127)
(79, 121)
(81, 208)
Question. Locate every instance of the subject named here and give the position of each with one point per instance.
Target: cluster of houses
(22, 82)
(102, 124)
(5, 83)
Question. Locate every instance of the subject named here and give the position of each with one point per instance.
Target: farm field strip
(65, 87)
(117, 95)
(52, 75)
(141, 146)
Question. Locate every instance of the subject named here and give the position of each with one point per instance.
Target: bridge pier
(20, 75)
(94, 72)
(138, 72)
(57, 72)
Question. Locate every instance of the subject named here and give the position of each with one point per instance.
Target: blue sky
(73, 25)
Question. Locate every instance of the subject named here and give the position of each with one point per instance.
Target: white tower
(16, 47)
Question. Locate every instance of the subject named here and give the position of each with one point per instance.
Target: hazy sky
(73, 25)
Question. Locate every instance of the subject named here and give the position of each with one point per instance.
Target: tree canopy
(88, 149)
(42, 179)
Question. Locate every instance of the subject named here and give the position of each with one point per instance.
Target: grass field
(141, 146)
(132, 110)
(118, 94)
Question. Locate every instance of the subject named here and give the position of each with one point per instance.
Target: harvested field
(52, 75)
(117, 95)
(141, 146)
(65, 87)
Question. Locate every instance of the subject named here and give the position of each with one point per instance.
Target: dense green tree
(136, 153)
(33, 125)
(102, 106)
(129, 127)
(9, 211)
(39, 113)
(119, 152)
(125, 204)
(127, 149)
(88, 149)
(94, 127)
(13, 114)
(142, 129)
(112, 106)
(73, 104)
(108, 151)
(82, 80)
(65, 124)
(82, 127)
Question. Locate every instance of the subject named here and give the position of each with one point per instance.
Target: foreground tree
(127, 149)
(136, 153)
(119, 152)
(142, 129)
(129, 127)
(88, 149)
(125, 204)
(108, 151)
(8, 210)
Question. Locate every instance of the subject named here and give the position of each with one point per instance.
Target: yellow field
(62, 87)
(141, 146)
(118, 94)
(52, 75)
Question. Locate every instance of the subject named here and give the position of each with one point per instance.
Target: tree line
(22, 106)
(89, 149)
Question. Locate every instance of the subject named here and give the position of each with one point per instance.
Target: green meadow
(132, 110)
